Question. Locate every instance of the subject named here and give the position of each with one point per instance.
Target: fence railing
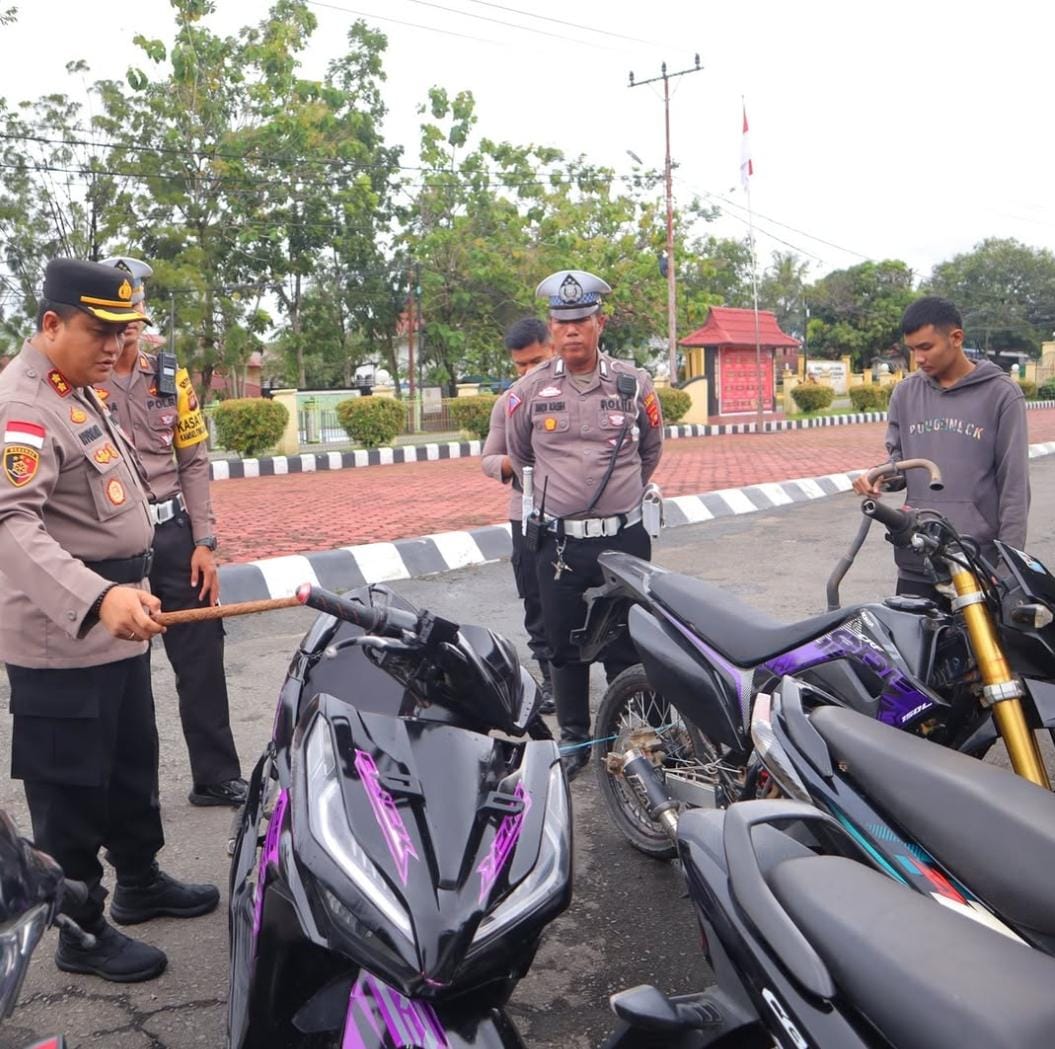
(319, 425)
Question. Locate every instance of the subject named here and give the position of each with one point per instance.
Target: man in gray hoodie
(971, 420)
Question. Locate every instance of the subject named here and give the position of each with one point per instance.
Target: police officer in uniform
(528, 343)
(592, 429)
(155, 403)
(75, 619)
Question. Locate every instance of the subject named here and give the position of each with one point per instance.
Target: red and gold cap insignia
(59, 383)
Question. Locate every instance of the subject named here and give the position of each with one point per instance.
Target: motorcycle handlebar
(877, 473)
(384, 621)
(894, 520)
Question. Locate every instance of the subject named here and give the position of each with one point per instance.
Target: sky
(901, 130)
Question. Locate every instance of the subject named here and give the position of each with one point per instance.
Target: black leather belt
(124, 569)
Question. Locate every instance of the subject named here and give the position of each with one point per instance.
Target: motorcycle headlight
(551, 872)
(330, 828)
(18, 938)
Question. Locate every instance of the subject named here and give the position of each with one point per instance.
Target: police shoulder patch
(513, 403)
(20, 464)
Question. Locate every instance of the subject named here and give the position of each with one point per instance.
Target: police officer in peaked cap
(155, 403)
(76, 616)
(592, 429)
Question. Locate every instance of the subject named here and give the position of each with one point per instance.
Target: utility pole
(672, 312)
(411, 311)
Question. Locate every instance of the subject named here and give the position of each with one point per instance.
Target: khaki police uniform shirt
(70, 493)
(495, 450)
(170, 436)
(569, 435)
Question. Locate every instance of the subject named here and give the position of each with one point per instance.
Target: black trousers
(564, 610)
(195, 651)
(85, 743)
(527, 590)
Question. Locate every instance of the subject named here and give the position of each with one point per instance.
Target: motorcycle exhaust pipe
(641, 774)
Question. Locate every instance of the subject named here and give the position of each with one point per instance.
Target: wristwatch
(208, 541)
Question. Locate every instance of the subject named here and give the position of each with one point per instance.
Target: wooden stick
(243, 608)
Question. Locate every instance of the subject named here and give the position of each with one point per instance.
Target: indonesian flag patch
(17, 432)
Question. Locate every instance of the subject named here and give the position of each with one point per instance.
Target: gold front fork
(1019, 739)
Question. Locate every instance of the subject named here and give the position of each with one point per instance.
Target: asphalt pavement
(629, 922)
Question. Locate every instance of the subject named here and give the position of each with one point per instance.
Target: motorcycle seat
(995, 830)
(744, 635)
(926, 977)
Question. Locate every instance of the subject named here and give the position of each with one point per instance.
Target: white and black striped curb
(353, 566)
(315, 462)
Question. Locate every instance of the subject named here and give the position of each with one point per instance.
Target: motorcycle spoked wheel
(631, 709)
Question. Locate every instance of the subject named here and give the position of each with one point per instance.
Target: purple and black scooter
(396, 862)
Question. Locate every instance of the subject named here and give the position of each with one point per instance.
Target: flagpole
(746, 170)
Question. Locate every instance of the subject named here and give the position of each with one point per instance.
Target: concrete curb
(353, 566)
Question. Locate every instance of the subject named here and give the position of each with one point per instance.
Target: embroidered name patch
(548, 406)
(93, 433)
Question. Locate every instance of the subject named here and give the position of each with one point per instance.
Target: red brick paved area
(297, 513)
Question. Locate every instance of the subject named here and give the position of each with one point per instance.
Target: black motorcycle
(962, 677)
(32, 889)
(395, 863)
(813, 949)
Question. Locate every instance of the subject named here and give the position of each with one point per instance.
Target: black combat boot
(549, 704)
(156, 895)
(113, 956)
(571, 688)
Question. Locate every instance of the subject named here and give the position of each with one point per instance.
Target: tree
(782, 289)
(56, 198)
(857, 311)
(1005, 291)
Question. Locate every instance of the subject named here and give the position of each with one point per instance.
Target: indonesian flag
(16, 432)
(747, 169)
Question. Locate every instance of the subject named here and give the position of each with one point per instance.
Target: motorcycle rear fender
(685, 678)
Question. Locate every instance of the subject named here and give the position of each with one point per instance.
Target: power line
(570, 25)
(508, 25)
(396, 21)
(793, 229)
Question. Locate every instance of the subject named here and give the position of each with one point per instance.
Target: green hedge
(1029, 389)
(250, 425)
(1047, 390)
(372, 421)
(472, 413)
(674, 403)
(812, 397)
(872, 398)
